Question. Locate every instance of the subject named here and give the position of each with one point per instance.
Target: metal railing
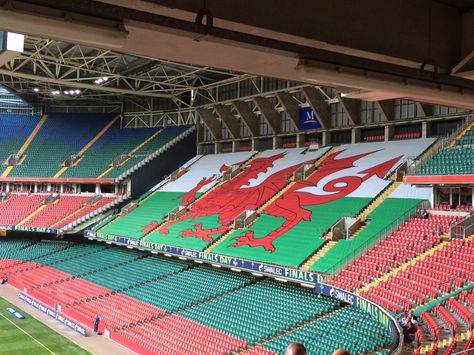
(463, 229)
(385, 231)
(415, 166)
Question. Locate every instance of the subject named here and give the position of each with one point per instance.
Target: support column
(276, 142)
(389, 131)
(325, 138)
(356, 135)
(299, 140)
(425, 129)
(217, 147)
(255, 145)
(235, 146)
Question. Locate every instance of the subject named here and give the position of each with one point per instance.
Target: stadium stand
(14, 129)
(17, 207)
(307, 209)
(455, 160)
(61, 136)
(382, 218)
(201, 175)
(175, 305)
(360, 333)
(440, 270)
(34, 210)
(167, 137)
(115, 142)
(213, 213)
(414, 237)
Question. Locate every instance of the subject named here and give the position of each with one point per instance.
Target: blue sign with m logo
(308, 118)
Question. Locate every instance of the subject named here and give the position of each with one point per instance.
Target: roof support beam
(81, 85)
(387, 109)
(271, 116)
(352, 108)
(291, 107)
(425, 109)
(318, 103)
(228, 120)
(211, 122)
(248, 117)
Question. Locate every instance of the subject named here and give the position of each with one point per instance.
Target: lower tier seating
(271, 305)
(30, 210)
(17, 207)
(178, 307)
(350, 329)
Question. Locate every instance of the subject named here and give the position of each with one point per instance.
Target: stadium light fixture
(36, 89)
(77, 91)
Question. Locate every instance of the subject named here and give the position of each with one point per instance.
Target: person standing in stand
(96, 323)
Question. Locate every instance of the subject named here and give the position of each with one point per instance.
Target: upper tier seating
(202, 175)
(467, 138)
(112, 144)
(412, 238)
(14, 129)
(453, 161)
(163, 138)
(450, 266)
(457, 160)
(60, 136)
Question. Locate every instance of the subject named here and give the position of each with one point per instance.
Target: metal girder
(352, 108)
(211, 122)
(318, 103)
(387, 108)
(248, 117)
(228, 120)
(291, 107)
(269, 113)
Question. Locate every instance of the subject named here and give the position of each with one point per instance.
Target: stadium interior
(229, 177)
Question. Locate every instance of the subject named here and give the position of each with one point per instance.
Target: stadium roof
(50, 70)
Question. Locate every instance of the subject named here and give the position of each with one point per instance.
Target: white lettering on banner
(342, 296)
(300, 275)
(271, 270)
(53, 314)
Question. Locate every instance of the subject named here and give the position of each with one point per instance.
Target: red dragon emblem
(232, 197)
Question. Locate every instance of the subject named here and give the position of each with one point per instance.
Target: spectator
(340, 352)
(295, 349)
(424, 214)
(5, 279)
(96, 323)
